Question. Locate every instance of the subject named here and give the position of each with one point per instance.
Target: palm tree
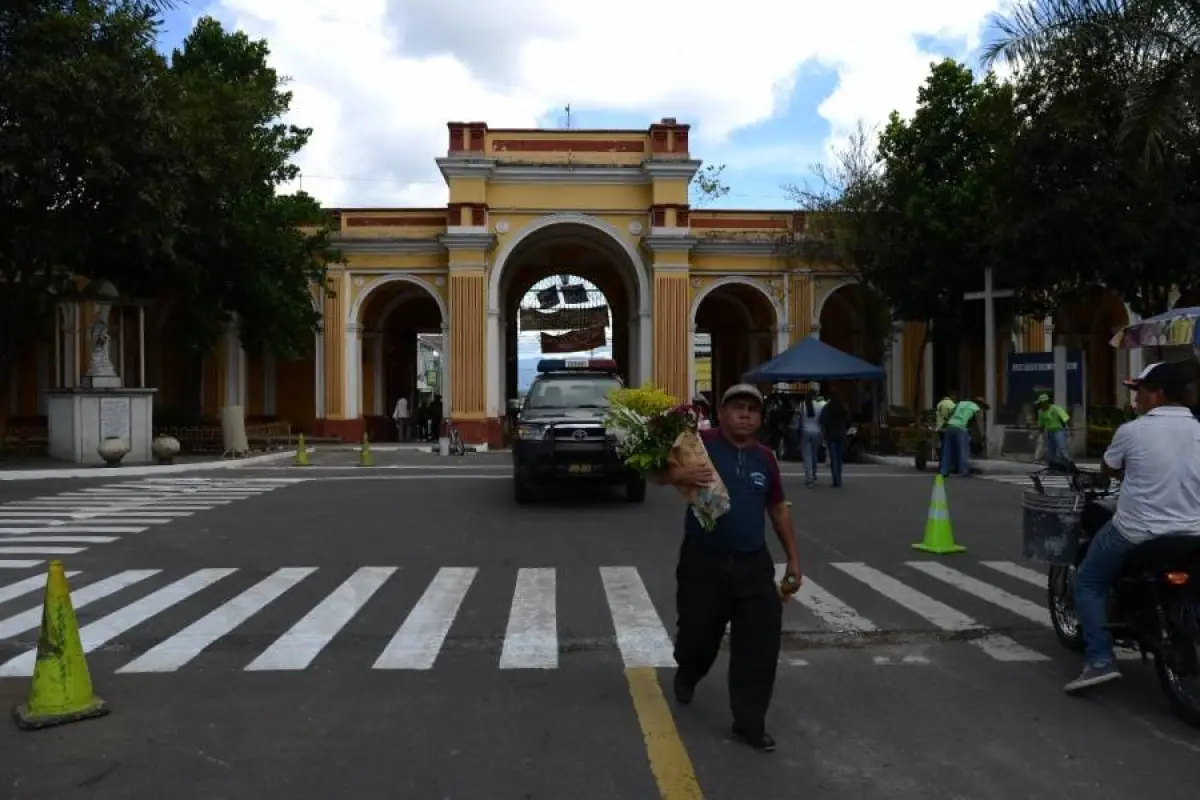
(1157, 43)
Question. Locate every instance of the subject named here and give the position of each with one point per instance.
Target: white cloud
(378, 79)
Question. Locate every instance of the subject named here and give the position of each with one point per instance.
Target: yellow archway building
(610, 206)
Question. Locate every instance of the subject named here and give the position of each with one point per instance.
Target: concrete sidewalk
(982, 466)
(142, 470)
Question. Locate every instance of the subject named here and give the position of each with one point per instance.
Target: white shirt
(1160, 493)
(401, 411)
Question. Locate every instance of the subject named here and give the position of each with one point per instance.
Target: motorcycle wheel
(1178, 668)
(1060, 600)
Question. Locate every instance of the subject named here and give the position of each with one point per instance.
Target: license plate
(579, 469)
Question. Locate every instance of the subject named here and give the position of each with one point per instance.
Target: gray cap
(741, 390)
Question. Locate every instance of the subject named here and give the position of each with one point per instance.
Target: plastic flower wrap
(651, 431)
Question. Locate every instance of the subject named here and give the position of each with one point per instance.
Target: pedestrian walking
(835, 427)
(726, 576)
(809, 421)
(1053, 419)
(400, 415)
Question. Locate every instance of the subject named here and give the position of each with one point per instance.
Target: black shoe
(762, 742)
(684, 691)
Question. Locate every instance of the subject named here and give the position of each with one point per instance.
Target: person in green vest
(1052, 419)
(941, 416)
(958, 436)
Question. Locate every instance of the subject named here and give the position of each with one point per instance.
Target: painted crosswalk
(69, 522)
(412, 619)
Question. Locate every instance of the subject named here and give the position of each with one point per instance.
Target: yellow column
(334, 327)
(1033, 335)
(672, 326)
(801, 305)
(468, 343)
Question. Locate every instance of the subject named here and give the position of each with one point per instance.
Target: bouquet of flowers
(652, 432)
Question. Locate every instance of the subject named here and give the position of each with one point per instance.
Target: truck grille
(572, 432)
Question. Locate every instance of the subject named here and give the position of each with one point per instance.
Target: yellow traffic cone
(62, 687)
(939, 533)
(301, 454)
(365, 459)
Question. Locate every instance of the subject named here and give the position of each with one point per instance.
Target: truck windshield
(589, 392)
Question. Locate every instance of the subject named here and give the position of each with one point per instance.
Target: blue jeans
(836, 447)
(956, 449)
(1056, 445)
(810, 447)
(1093, 582)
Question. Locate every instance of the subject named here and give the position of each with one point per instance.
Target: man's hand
(792, 578)
(692, 475)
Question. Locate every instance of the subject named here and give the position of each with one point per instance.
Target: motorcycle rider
(1157, 458)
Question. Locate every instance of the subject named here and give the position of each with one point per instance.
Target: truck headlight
(530, 431)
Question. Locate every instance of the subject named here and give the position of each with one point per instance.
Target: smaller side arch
(352, 316)
(819, 306)
(739, 280)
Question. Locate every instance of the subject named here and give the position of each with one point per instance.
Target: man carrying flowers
(726, 575)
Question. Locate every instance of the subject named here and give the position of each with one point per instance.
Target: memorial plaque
(114, 417)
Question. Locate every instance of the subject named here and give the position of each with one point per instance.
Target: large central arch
(626, 279)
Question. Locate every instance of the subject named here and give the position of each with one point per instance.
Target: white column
(44, 368)
(783, 336)
(816, 331)
(352, 358)
(444, 371)
(380, 398)
(691, 364)
(319, 375)
(268, 376)
(989, 354)
(645, 339)
(495, 364)
(1048, 335)
(235, 368)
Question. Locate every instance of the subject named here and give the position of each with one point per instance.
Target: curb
(143, 469)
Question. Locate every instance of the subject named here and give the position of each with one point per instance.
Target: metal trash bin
(1050, 529)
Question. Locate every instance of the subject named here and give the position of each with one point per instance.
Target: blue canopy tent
(812, 360)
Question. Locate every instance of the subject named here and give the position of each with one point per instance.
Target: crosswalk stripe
(18, 563)
(985, 591)
(98, 528)
(641, 637)
(833, 612)
(39, 551)
(1030, 576)
(1001, 648)
(297, 648)
(531, 640)
(59, 539)
(113, 625)
(417, 644)
(173, 653)
(26, 586)
(31, 618)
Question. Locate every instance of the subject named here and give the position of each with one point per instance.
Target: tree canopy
(161, 175)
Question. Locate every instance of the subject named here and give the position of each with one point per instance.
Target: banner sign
(563, 319)
(574, 341)
(1031, 374)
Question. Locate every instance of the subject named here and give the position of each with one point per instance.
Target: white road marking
(1001, 648)
(32, 618)
(173, 653)
(297, 648)
(40, 551)
(18, 563)
(531, 640)
(641, 637)
(417, 644)
(26, 586)
(833, 612)
(60, 539)
(984, 591)
(1030, 576)
(122, 620)
(77, 529)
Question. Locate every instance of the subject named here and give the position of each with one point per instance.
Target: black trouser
(739, 589)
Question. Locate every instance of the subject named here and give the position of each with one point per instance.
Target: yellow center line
(669, 759)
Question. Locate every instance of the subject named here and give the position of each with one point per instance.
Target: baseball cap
(1160, 375)
(741, 390)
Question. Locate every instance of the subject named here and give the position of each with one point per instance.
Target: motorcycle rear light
(1177, 578)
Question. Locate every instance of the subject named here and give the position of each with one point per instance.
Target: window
(590, 392)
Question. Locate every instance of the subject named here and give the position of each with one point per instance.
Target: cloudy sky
(767, 84)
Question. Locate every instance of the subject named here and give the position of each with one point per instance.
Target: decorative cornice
(459, 167)
(578, 174)
(671, 269)
(669, 244)
(395, 246)
(468, 241)
(684, 170)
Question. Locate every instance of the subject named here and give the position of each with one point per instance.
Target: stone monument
(101, 421)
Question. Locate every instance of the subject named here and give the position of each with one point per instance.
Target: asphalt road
(335, 631)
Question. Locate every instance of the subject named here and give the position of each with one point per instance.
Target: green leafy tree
(245, 251)
(88, 175)
(707, 186)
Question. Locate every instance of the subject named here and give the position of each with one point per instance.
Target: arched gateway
(428, 300)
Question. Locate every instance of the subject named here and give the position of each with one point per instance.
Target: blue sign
(1031, 374)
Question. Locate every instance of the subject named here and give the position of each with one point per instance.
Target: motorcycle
(1154, 605)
